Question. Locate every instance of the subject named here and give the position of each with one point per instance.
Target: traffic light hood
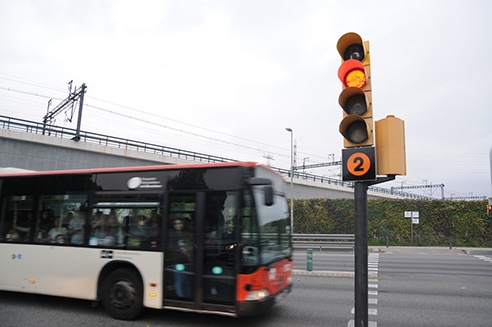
(355, 130)
(348, 40)
(348, 93)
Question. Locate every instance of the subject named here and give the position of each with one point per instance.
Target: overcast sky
(227, 77)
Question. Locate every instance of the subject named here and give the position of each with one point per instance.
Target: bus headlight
(257, 295)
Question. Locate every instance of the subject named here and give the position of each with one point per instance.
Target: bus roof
(13, 172)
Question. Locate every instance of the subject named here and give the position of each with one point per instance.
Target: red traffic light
(352, 73)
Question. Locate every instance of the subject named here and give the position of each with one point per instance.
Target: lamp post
(288, 129)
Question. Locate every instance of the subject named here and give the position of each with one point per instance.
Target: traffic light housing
(390, 146)
(489, 209)
(356, 97)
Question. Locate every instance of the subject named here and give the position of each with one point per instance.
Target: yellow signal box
(390, 146)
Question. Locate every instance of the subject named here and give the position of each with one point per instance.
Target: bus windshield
(274, 227)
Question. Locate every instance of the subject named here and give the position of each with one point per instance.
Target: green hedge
(466, 222)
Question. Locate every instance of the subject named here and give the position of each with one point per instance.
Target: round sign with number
(358, 164)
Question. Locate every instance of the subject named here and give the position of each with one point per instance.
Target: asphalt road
(407, 287)
(415, 286)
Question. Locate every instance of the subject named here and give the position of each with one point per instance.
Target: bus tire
(122, 294)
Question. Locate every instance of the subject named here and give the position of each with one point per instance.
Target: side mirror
(268, 190)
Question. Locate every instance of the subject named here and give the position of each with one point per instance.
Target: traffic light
(489, 209)
(356, 97)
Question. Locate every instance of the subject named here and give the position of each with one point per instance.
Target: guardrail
(101, 139)
(323, 241)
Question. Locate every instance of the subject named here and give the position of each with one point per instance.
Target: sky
(228, 77)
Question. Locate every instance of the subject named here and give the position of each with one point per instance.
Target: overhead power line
(29, 93)
(20, 80)
(186, 132)
(421, 186)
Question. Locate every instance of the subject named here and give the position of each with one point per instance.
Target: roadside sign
(359, 164)
(412, 214)
(415, 215)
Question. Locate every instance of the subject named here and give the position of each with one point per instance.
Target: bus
(206, 238)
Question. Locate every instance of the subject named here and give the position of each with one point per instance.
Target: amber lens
(355, 78)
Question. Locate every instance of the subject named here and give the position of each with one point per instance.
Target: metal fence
(323, 241)
(106, 140)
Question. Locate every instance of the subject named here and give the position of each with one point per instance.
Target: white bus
(209, 238)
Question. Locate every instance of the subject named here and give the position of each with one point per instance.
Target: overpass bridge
(35, 146)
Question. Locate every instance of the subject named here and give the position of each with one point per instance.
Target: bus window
(46, 223)
(144, 228)
(61, 218)
(249, 234)
(274, 224)
(137, 228)
(205, 226)
(126, 220)
(106, 228)
(17, 218)
(220, 247)
(179, 261)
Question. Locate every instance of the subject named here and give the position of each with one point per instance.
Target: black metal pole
(361, 276)
(79, 119)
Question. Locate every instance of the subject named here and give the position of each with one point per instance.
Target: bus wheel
(122, 294)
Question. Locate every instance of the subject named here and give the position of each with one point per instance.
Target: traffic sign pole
(411, 230)
(361, 252)
(414, 219)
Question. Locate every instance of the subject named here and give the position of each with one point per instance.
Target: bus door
(201, 253)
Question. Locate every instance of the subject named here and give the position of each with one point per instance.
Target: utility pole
(81, 105)
(69, 102)
(292, 160)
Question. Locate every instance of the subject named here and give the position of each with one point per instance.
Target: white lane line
(370, 312)
(373, 267)
(484, 258)
(351, 323)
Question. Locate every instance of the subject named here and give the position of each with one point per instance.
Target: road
(418, 286)
(406, 288)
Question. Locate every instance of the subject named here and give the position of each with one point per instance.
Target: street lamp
(288, 129)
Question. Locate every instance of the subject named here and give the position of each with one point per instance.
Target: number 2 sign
(358, 164)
